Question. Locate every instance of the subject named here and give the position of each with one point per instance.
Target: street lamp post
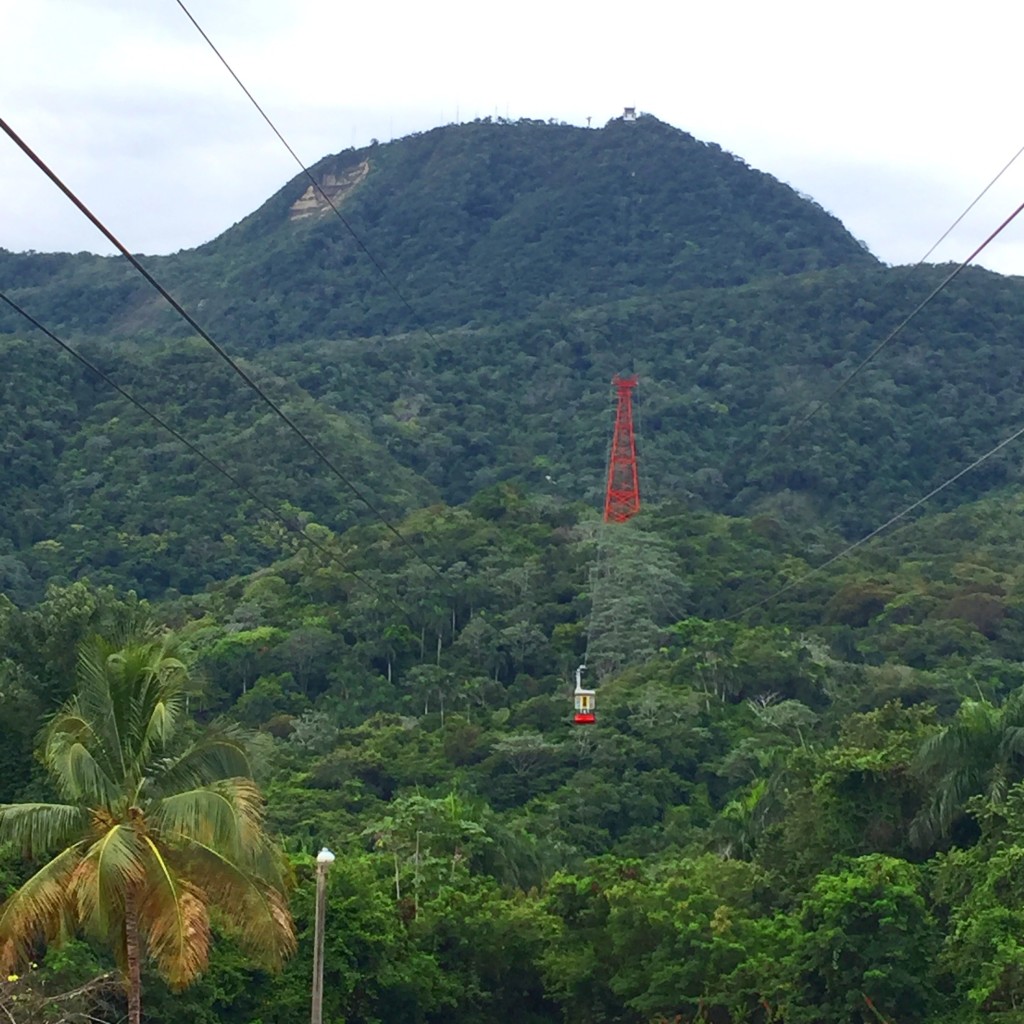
(324, 859)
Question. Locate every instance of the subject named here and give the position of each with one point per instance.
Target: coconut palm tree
(980, 752)
(157, 831)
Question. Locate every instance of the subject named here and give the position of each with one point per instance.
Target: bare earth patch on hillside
(335, 187)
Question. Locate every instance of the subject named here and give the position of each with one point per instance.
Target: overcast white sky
(893, 115)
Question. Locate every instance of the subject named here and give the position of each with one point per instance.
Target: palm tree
(980, 752)
(155, 833)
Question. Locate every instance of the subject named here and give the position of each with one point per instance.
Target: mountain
(469, 223)
(525, 264)
(803, 799)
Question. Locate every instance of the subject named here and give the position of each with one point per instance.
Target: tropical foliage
(803, 802)
(154, 834)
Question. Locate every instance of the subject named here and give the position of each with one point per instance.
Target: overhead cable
(970, 206)
(843, 384)
(885, 526)
(190, 320)
(212, 463)
(309, 174)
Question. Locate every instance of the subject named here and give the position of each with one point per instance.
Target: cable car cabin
(584, 701)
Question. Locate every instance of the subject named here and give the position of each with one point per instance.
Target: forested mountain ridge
(550, 247)
(93, 487)
(472, 222)
(723, 372)
(413, 417)
(803, 799)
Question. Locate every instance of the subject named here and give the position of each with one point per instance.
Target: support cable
(309, 174)
(190, 320)
(889, 522)
(622, 493)
(843, 384)
(212, 463)
(597, 586)
(970, 206)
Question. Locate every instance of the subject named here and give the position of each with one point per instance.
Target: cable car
(584, 701)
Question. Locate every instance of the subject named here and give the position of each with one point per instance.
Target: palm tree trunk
(132, 958)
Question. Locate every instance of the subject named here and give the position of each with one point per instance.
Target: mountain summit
(470, 222)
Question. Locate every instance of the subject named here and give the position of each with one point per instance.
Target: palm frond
(160, 727)
(1013, 709)
(226, 816)
(110, 868)
(218, 756)
(948, 800)
(973, 732)
(926, 826)
(933, 751)
(209, 814)
(156, 681)
(174, 919)
(146, 680)
(998, 786)
(69, 756)
(1012, 744)
(252, 908)
(97, 704)
(37, 829)
(39, 909)
(255, 850)
(132, 698)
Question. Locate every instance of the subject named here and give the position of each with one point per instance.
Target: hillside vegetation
(803, 801)
(415, 417)
(472, 222)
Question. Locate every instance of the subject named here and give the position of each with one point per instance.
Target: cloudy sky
(892, 115)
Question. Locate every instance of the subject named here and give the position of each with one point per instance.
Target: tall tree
(154, 832)
(981, 752)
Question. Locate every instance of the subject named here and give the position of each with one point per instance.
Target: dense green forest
(774, 819)
(472, 223)
(442, 388)
(92, 488)
(803, 800)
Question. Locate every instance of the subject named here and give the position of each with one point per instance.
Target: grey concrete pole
(324, 859)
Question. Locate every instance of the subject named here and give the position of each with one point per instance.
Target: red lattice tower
(622, 496)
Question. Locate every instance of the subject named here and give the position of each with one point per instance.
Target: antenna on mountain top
(622, 494)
